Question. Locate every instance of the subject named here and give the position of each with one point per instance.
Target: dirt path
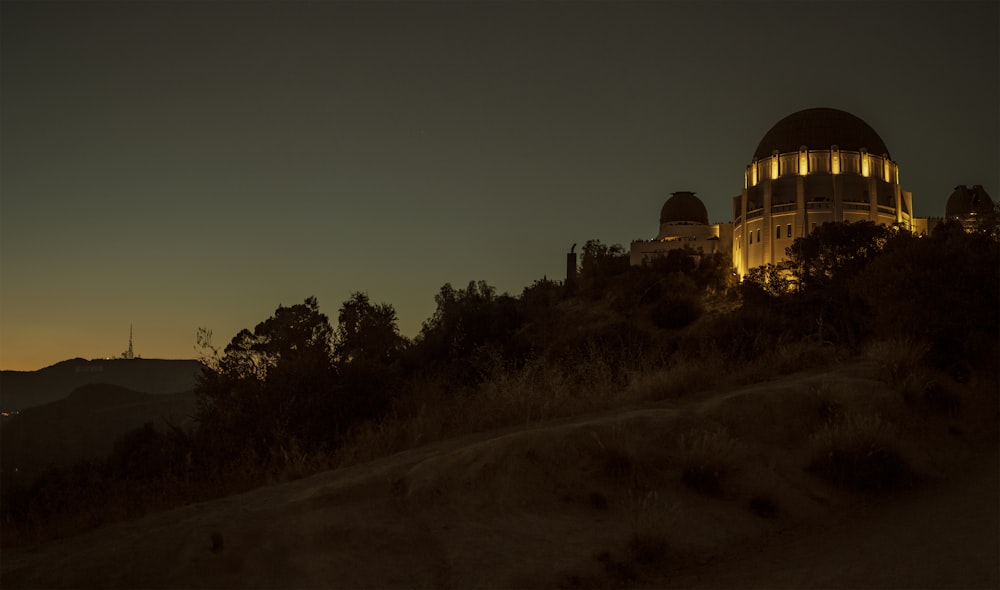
(943, 535)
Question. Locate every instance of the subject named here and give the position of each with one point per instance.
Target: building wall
(708, 239)
(788, 195)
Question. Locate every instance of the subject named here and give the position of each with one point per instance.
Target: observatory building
(684, 223)
(968, 205)
(812, 167)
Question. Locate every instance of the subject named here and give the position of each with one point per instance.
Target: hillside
(717, 489)
(24, 389)
(83, 425)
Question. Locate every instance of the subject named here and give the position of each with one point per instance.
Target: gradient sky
(186, 164)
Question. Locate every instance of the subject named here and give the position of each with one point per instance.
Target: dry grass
(859, 452)
(708, 457)
(540, 391)
(902, 365)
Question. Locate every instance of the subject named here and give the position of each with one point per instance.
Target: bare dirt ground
(593, 501)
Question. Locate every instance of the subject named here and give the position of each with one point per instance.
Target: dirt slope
(595, 501)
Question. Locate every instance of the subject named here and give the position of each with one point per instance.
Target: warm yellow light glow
(803, 162)
(865, 165)
(835, 161)
(774, 166)
(753, 171)
(887, 169)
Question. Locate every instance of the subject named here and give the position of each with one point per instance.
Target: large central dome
(818, 129)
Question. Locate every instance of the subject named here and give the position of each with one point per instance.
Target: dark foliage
(763, 507)
(648, 548)
(835, 252)
(470, 330)
(147, 454)
(599, 265)
(673, 312)
(865, 468)
(941, 289)
(704, 479)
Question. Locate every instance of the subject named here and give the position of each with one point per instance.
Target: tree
(835, 251)
(941, 290)
(367, 332)
(468, 323)
(367, 350)
(272, 385)
(769, 279)
(600, 263)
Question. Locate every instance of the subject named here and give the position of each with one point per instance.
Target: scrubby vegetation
(298, 394)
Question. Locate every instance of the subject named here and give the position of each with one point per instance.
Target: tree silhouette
(367, 332)
(273, 385)
(834, 251)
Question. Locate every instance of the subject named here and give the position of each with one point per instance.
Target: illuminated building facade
(683, 223)
(814, 166)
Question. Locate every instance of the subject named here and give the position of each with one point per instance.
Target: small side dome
(684, 207)
(966, 203)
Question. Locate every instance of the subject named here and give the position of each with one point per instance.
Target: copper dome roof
(966, 202)
(818, 129)
(684, 207)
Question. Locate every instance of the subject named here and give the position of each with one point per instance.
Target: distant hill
(24, 389)
(84, 425)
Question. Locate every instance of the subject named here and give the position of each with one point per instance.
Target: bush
(858, 452)
(708, 457)
(648, 548)
(674, 312)
(763, 506)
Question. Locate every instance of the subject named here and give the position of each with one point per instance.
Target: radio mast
(129, 354)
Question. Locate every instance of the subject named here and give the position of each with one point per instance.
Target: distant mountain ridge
(84, 425)
(24, 389)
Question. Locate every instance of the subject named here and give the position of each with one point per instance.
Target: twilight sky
(185, 164)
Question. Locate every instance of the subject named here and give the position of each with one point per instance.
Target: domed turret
(967, 203)
(684, 207)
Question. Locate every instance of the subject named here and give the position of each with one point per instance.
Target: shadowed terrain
(719, 489)
(84, 425)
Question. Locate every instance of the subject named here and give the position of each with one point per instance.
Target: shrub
(708, 456)
(676, 311)
(900, 360)
(648, 548)
(858, 452)
(763, 506)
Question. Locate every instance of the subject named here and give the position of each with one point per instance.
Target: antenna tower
(129, 354)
